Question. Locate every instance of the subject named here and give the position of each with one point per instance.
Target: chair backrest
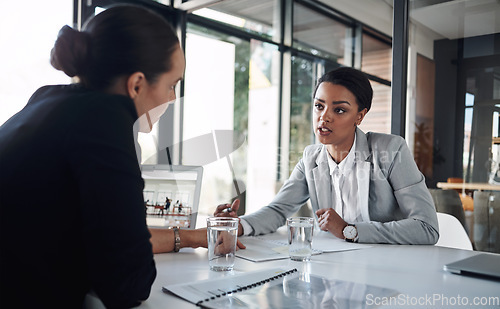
(451, 233)
(448, 201)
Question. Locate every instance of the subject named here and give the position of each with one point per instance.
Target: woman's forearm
(163, 239)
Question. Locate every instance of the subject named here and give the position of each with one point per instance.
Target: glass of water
(222, 233)
(300, 234)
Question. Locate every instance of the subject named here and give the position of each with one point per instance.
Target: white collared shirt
(345, 186)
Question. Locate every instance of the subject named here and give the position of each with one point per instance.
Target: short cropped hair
(354, 80)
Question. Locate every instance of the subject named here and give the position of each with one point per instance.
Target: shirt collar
(346, 165)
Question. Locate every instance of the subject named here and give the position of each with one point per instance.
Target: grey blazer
(396, 206)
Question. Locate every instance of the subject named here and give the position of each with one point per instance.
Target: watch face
(350, 232)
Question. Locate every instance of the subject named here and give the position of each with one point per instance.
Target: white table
(481, 186)
(415, 271)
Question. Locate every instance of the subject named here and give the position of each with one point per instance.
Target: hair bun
(69, 53)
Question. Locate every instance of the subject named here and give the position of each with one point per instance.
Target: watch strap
(177, 239)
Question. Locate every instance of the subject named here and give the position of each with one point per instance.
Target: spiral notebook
(277, 288)
(202, 292)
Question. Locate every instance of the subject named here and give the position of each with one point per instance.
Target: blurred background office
(251, 68)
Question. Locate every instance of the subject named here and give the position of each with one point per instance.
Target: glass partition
(237, 90)
(378, 119)
(260, 17)
(454, 73)
(320, 35)
(453, 105)
(376, 57)
(304, 76)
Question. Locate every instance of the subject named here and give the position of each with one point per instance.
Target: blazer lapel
(322, 180)
(363, 163)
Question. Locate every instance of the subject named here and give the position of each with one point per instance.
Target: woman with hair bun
(73, 148)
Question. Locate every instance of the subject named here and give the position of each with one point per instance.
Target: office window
(149, 146)
(462, 51)
(378, 119)
(422, 119)
(481, 149)
(320, 35)
(237, 90)
(494, 176)
(376, 60)
(458, 43)
(263, 123)
(260, 17)
(26, 37)
(164, 2)
(304, 76)
(376, 57)
(467, 156)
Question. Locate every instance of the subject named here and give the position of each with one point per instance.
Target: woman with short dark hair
(362, 187)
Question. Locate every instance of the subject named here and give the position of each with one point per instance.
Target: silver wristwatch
(177, 239)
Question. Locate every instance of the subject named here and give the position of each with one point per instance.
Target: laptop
(172, 195)
(480, 265)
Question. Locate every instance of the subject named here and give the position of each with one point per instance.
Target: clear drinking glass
(222, 233)
(300, 234)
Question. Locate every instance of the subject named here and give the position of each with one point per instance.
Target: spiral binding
(243, 288)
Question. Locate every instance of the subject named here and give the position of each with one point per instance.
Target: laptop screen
(171, 195)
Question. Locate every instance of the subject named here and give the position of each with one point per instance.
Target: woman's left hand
(329, 220)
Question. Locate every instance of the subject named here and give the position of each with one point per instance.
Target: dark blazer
(395, 204)
(71, 203)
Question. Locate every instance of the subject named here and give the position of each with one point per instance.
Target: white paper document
(277, 288)
(275, 246)
(326, 242)
(260, 248)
